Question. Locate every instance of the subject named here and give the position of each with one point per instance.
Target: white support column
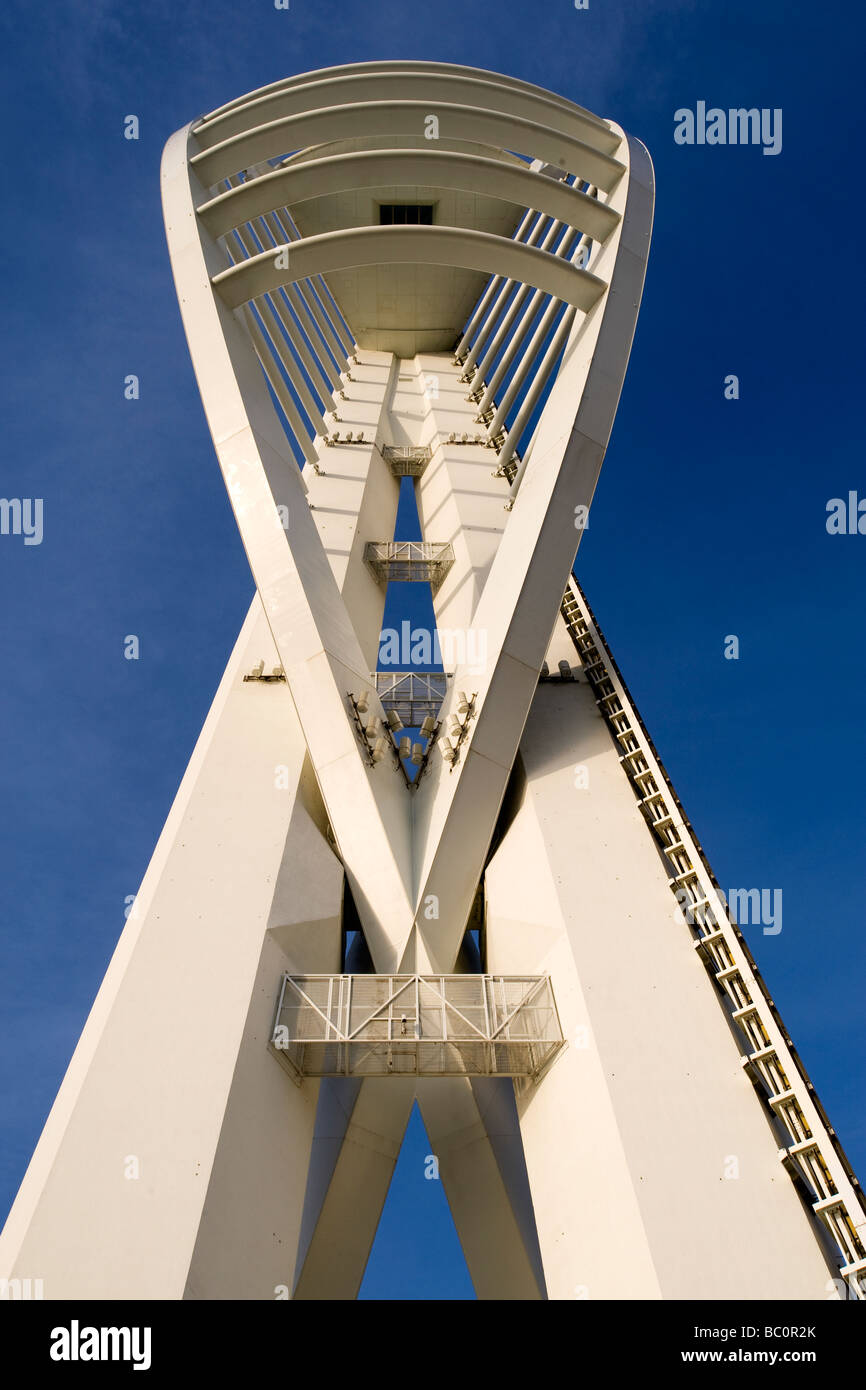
(298, 437)
(526, 318)
(327, 302)
(359, 1130)
(645, 1134)
(174, 1132)
(475, 1135)
(487, 309)
(322, 366)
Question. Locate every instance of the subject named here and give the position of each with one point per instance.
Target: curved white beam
(418, 68)
(389, 118)
(353, 89)
(469, 173)
(515, 309)
(444, 246)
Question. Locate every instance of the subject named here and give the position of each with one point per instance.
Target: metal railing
(409, 561)
(416, 1025)
(415, 695)
(407, 460)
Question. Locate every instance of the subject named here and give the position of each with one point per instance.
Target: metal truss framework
(416, 1025)
(480, 353)
(414, 695)
(424, 562)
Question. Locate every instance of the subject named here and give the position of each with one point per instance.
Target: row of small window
(405, 214)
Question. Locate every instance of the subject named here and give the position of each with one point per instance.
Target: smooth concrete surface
(654, 1172)
(180, 1159)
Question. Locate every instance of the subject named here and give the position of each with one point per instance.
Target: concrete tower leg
(645, 1134)
(474, 1132)
(167, 1106)
(359, 1130)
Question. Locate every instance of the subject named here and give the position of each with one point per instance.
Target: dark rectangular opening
(405, 214)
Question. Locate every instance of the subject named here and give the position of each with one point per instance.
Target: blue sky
(709, 519)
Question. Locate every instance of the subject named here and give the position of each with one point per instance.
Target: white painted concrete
(632, 1135)
(609, 1178)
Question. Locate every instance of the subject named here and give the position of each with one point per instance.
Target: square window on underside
(406, 214)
